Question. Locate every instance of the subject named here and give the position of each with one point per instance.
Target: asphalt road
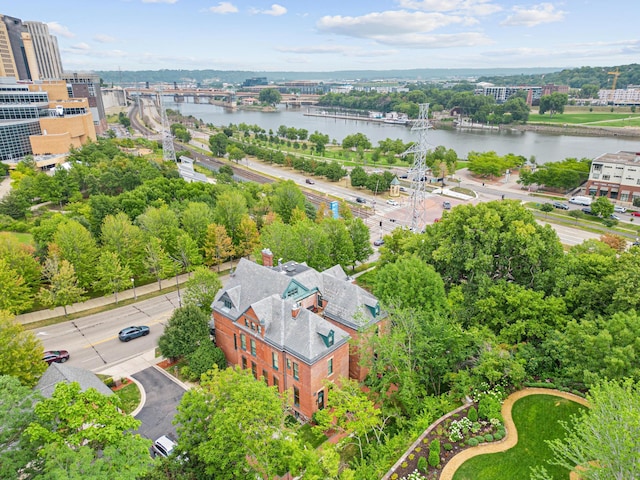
(163, 396)
(92, 341)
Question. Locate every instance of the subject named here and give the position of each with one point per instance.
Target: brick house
(291, 325)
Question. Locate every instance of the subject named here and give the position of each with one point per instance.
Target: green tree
(113, 277)
(158, 261)
(201, 289)
(352, 414)
(126, 240)
(603, 439)
(358, 176)
(16, 413)
(63, 287)
(359, 233)
(195, 219)
(602, 206)
(319, 140)
(356, 140)
(85, 435)
(236, 154)
(270, 96)
(553, 103)
(15, 204)
(161, 222)
(187, 255)
(77, 246)
(204, 358)
(248, 237)
(234, 427)
(230, 207)
(15, 295)
(218, 246)
(218, 144)
(21, 352)
(340, 244)
(410, 283)
(286, 197)
(187, 329)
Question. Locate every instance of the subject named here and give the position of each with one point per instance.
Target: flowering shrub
(458, 428)
(497, 391)
(495, 422)
(415, 475)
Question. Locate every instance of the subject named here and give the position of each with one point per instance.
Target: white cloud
(536, 15)
(80, 47)
(313, 49)
(275, 10)
(223, 8)
(468, 7)
(56, 29)
(160, 1)
(389, 23)
(101, 38)
(435, 41)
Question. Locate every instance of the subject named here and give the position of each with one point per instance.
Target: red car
(58, 356)
(635, 214)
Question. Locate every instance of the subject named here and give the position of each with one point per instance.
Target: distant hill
(212, 77)
(574, 77)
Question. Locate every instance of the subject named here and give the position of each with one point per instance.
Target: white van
(585, 201)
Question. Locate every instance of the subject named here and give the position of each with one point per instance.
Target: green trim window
(295, 371)
(227, 303)
(244, 363)
(253, 347)
(330, 366)
(296, 396)
(243, 342)
(274, 360)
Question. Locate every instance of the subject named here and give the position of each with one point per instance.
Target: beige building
(616, 176)
(47, 54)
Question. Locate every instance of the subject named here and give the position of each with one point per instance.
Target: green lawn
(129, 396)
(25, 238)
(536, 418)
(604, 119)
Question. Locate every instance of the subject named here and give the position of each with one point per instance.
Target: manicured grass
(129, 397)
(309, 437)
(25, 238)
(588, 118)
(536, 418)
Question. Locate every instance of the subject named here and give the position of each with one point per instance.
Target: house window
(244, 362)
(292, 292)
(243, 342)
(246, 322)
(253, 326)
(276, 383)
(295, 371)
(320, 399)
(254, 370)
(253, 347)
(227, 303)
(274, 360)
(330, 366)
(235, 341)
(288, 364)
(265, 377)
(296, 396)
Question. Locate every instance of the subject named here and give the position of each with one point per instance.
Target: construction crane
(615, 74)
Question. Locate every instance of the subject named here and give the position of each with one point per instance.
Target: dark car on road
(446, 205)
(560, 205)
(309, 181)
(57, 356)
(588, 211)
(360, 200)
(378, 242)
(130, 333)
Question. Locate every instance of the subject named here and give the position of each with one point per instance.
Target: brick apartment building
(291, 325)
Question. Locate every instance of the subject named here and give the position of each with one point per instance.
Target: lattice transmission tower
(168, 151)
(419, 170)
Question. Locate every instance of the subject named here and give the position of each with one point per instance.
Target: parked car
(560, 205)
(392, 202)
(378, 242)
(163, 446)
(588, 211)
(619, 209)
(360, 200)
(580, 200)
(402, 189)
(446, 205)
(635, 214)
(309, 181)
(130, 333)
(57, 356)
(614, 216)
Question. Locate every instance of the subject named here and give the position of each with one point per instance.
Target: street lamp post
(133, 282)
(178, 286)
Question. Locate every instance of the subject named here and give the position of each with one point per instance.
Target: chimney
(295, 310)
(267, 258)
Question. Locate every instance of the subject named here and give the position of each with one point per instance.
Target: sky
(329, 35)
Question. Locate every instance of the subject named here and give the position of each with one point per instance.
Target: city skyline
(324, 36)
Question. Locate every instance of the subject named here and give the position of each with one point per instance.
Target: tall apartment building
(87, 85)
(14, 54)
(46, 50)
(616, 176)
(39, 118)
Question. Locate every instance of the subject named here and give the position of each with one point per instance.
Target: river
(544, 147)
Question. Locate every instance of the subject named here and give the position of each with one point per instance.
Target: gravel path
(511, 438)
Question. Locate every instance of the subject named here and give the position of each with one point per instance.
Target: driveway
(163, 396)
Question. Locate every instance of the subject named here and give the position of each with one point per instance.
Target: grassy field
(603, 119)
(129, 396)
(25, 238)
(536, 418)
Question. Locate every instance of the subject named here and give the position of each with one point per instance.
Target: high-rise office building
(13, 53)
(46, 50)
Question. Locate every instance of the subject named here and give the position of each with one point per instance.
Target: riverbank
(578, 130)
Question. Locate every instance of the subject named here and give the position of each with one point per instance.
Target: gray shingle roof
(57, 373)
(262, 288)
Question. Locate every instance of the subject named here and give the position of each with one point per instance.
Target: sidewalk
(132, 293)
